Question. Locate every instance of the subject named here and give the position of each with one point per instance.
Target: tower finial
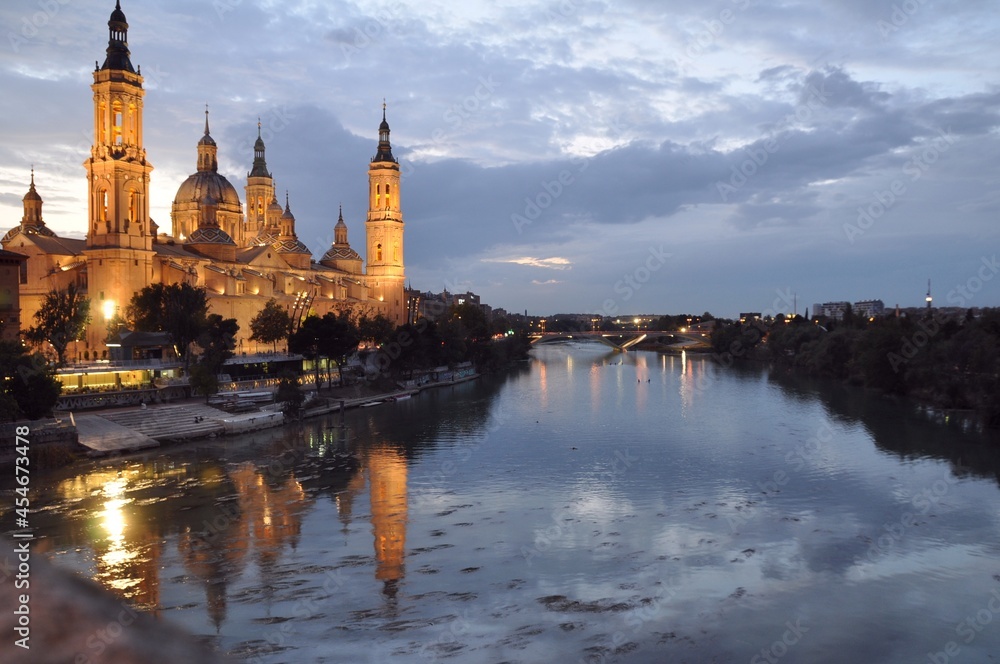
(258, 126)
(32, 176)
(206, 119)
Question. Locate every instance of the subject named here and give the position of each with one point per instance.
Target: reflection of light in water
(595, 387)
(113, 520)
(543, 384)
(686, 386)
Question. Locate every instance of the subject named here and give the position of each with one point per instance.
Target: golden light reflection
(113, 520)
(595, 387)
(388, 479)
(686, 386)
(543, 384)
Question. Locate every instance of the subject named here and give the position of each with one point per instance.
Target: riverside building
(242, 252)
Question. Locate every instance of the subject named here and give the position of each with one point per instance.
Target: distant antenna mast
(929, 298)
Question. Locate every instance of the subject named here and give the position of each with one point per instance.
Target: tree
(289, 394)
(848, 318)
(217, 343)
(472, 321)
(203, 380)
(376, 329)
(61, 319)
(333, 336)
(181, 310)
(28, 387)
(340, 340)
(305, 341)
(271, 324)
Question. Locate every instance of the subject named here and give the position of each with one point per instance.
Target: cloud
(554, 263)
(608, 127)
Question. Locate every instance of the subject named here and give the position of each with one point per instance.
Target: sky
(579, 156)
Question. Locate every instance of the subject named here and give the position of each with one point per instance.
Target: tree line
(951, 362)
(204, 341)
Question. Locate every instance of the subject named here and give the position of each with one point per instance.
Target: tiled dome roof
(210, 236)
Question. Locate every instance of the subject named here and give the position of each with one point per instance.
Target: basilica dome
(207, 199)
(208, 183)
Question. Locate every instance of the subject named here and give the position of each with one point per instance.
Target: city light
(109, 309)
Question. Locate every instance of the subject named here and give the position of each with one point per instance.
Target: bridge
(622, 340)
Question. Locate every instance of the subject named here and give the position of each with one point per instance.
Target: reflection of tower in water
(265, 519)
(387, 480)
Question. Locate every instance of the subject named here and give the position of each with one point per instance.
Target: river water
(585, 507)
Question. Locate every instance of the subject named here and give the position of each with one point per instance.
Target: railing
(96, 366)
(265, 356)
(109, 365)
(85, 401)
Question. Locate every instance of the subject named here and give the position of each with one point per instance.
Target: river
(585, 507)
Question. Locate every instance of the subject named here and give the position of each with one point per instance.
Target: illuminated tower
(119, 233)
(288, 246)
(930, 300)
(384, 229)
(260, 191)
(32, 222)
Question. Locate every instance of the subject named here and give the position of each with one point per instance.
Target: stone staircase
(167, 423)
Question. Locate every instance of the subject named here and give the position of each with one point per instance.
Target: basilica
(242, 253)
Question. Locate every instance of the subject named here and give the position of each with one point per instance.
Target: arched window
(102, 205)
(378, 252)
(133, 121)
(102, 124)
(133, 206)
(116, 123)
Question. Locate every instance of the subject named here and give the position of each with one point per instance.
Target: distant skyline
(571, 156)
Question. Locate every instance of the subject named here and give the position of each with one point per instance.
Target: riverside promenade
(133, 429)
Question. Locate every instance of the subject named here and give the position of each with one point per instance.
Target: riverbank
(134, 429)
(948, 362)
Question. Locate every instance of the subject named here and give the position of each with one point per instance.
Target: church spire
(118, 53)
(32, 192)
(208, 151)
(259, 169)
(32, 205)
(32, 222)
(384, 147)
(340, 230)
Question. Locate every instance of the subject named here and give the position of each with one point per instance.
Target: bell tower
(384, 229)
(259, 191)
(119, 230)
